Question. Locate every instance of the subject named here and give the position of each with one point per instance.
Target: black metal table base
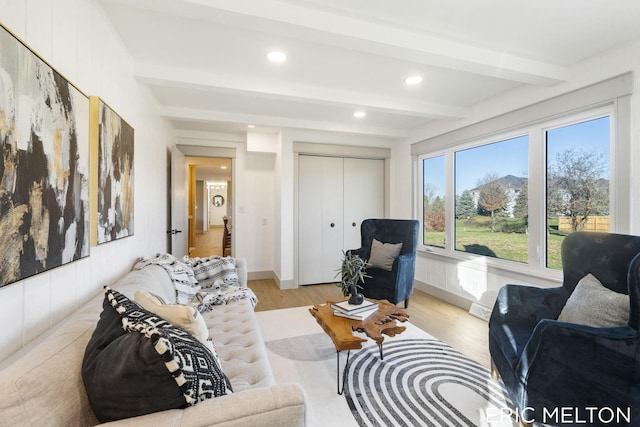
(346, 367)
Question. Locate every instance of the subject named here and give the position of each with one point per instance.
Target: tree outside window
(433, 201)
(577, 182)
(489, 180)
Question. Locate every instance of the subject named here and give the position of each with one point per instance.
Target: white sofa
(42, 385)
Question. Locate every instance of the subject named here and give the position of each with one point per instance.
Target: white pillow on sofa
(182, 316)
(593, 304)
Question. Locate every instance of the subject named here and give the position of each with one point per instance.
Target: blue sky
(510, 157)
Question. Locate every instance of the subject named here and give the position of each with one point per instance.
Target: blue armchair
(549, 365)
(396, 284)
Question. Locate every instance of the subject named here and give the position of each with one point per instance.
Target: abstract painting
(115, 173)
(44, 158)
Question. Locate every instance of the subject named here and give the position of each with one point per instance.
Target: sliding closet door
(363, 196)
(320, 220)
(334, 196)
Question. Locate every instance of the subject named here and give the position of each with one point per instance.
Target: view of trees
(434, 216)
(492, 218)
(465, 207)
(575, 187)
(492, 197)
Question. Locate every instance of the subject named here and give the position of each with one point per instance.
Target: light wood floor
(208, 243)
(448, 323)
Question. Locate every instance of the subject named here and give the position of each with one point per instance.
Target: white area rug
(420, 382)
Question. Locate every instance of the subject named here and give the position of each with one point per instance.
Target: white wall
(76, 39)
(467, 281)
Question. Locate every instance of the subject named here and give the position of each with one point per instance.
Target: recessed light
(251, 126)
(276, 56)
(359, 114)
(413, 80)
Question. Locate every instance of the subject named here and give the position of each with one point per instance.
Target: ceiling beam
(180, 113)
(358, 34)
(194, 79)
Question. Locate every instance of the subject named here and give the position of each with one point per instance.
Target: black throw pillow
(137, 363)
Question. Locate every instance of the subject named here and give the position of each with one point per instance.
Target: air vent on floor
(480, 311)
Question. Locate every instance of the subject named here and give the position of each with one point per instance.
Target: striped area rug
(420, 382)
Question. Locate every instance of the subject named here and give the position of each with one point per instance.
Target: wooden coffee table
(340, 329)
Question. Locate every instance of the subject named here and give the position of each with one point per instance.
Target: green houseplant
(352, 272)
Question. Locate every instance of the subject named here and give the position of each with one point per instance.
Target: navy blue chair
(547, 364)
(395, 285)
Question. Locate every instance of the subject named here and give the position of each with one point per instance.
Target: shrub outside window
(433, 201)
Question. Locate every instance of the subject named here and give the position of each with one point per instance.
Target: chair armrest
(404, 266)
(360, 252)
(571, 364)
(528, 304)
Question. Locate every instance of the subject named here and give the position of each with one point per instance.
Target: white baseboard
(475, 309)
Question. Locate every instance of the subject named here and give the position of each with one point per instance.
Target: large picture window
(491, 206)
(516, 197)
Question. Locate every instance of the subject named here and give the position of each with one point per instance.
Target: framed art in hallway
(44, 159)
(112, 141)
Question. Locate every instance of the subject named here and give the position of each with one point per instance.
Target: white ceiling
(205, 60)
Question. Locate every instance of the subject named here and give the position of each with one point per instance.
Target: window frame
(447, 207)
(537, 173)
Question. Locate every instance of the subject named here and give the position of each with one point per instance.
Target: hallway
(208, 243)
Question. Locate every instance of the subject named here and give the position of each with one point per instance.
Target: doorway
(189, 164)
(210, 203)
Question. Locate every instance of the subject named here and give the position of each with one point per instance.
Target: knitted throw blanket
(184, 281)
(203, 282)
(218, 278)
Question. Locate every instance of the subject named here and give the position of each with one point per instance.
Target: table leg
(381, 355)
(344, 371)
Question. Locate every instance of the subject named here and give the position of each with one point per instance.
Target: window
(433, 201)
(491, 207)
(578, 177)
(515, 197)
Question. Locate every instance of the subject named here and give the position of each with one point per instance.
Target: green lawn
(476, 237)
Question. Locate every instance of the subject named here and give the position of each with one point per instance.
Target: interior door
(320, 222)
(363, 196)
(179, 224)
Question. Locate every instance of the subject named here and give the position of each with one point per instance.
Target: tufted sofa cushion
(236, 336)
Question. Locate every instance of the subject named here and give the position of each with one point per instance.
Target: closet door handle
(333, 225)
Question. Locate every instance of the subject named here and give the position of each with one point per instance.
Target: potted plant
(352, 272)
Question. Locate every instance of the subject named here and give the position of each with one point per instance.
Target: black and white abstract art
(115, 175)
(44, 189)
